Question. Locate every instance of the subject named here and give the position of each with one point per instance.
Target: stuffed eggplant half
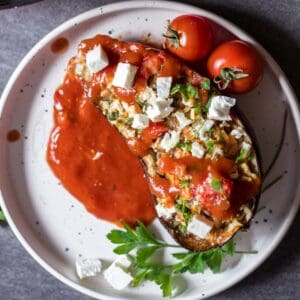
(199, 160)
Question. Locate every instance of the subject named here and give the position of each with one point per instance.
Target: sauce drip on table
(13, 135)
(93, 161)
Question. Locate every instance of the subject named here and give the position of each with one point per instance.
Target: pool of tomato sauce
(113, 186)
(93, 162)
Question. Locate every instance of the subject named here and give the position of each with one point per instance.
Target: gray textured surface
(275, 24)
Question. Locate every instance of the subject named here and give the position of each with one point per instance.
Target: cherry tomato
(189, 37)
(235, 66)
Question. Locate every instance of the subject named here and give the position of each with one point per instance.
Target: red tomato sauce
(93, 161)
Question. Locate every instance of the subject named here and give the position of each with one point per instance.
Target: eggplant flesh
(224, 140)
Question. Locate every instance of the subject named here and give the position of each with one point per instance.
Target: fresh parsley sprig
(128, 239)
(146, 244)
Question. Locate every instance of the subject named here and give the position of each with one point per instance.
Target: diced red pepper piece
(153, 131)
(214, 194)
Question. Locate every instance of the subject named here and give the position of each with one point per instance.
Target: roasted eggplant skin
(187, 109)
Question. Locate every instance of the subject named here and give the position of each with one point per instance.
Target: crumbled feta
(204, 128)
(182, 120)
(88, 267)
(237, 133)
(197, 150)
(96, 59)
(170, 140)
(124, 75)
(140, 121)
(163, 86)
(147, 95)
(158, 109)
(246, 146)
(165, 212)
(198, 228)
(79, 69)
(117, 273)
(130, 109)
(220, 108)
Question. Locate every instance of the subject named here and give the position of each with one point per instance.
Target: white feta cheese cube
(96, 59)
(79, 69)
(124, 75)
(88, 267)
(123, 261)
(198, 228)
(140, 121)
(197, 150)
(204, 128)
(220, 108)
(158, 109)
(117, 277)
(163, 86)
(246, 146)
(170, 140)
(237, 133)
(183, 121)
(165, 212)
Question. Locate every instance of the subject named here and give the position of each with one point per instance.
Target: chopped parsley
(187, 91)
(205, 85)
(243, 155)
(216, 184)
(185, 145)
(129, 120)
(186, 182)
(186, 213)
(209, 146)
(113, 116)
(207, 105)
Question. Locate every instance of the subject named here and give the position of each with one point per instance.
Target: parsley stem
(171, 246)
(246, 252)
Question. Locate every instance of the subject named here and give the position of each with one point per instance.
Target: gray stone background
(274, 23)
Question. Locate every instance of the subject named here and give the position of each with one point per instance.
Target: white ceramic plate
(55, 228)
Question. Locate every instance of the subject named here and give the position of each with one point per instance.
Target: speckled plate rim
(285, 85)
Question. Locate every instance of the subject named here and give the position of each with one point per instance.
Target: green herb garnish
(186, 213)
(209, 146)
(112, 116)
(205, 85)
(145, 269)
(207, 105)
(187, 91)
(243, 155)
(185, 145)
(129, 120)
(186, 182)
(216, 184)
